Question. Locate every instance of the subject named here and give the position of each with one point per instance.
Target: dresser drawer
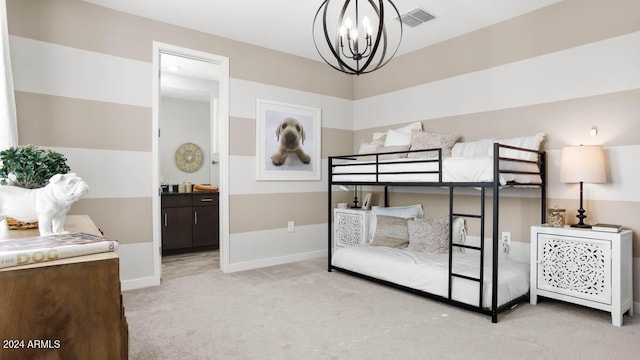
(178, 200)
(205, 199)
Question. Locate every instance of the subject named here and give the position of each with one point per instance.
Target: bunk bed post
(494, 270)
(330, 214)
(450, 280)
(386, 196)
(483, 196)
(542, 156)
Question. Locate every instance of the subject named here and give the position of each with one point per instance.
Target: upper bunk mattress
(454, 169)
(430, 272)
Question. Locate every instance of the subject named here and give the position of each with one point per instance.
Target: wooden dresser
(64, 309)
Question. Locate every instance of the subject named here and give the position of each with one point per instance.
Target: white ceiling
(285, 25)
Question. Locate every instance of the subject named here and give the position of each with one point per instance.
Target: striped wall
(83, 85)
(549, 71)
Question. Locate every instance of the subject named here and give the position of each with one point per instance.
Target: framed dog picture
(287, 141)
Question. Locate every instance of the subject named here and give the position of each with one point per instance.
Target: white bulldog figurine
(48, 205)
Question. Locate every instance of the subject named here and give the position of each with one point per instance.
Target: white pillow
(527, 142)
(415, 126)
(404, 212)
(480, 148)
(378, 138)
(395, 138)
(368, 148)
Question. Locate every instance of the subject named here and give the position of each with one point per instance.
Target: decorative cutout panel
(349, 229)
(575, 268)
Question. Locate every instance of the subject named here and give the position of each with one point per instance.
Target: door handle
(196, 218)
(165, 219)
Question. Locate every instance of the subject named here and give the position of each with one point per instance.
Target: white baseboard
(249, 265)
(138, 283)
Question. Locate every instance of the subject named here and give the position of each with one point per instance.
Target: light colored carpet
(301, 311)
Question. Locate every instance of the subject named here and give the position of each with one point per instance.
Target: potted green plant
(29, 167)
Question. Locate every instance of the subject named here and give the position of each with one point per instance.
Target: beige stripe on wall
(82, 25)
(247, 212)
(127, 220)
(68, 122)
(614, 115)
(564, 25)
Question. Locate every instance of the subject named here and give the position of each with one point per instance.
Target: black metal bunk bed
(494, 185)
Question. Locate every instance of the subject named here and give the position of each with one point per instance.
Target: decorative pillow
(474, 149)
(368, 148)
(459, 230)
(414, 126)
(379, 138)
(429, 235)
(425, 140)
(527, 142)
(404, 212)
(432, 235)
(395, 138)
(383, 149)
(391, 232)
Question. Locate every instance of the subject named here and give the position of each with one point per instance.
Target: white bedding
(454, 169)
(429, 272)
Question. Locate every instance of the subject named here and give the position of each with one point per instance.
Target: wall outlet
(506, 241)
(291, 226)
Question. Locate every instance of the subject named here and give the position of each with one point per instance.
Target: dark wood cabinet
(190, 221)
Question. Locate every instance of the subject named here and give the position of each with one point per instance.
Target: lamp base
(581, 226)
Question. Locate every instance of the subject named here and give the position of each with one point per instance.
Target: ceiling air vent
(416, 17)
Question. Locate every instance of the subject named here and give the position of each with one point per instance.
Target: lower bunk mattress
(429, 272)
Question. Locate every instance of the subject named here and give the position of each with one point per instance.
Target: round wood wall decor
(189, 157)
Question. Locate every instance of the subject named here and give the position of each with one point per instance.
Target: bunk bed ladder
(480, 278)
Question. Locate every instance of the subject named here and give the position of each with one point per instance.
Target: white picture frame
(303, 124)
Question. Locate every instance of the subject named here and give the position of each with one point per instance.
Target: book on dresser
(23, 251)
(607, 228)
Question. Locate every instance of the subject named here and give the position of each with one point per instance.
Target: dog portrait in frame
(288, 142)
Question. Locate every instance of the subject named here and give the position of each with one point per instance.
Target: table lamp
(582, 164)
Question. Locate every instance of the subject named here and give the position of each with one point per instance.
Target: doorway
(197, 83)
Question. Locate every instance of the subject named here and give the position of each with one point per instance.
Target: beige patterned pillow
(391, 231)
(429, 235)
(425, 140)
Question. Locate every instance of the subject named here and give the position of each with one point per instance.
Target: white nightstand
(351, 227)
(590, 268)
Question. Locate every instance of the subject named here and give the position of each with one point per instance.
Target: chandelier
(357, 39)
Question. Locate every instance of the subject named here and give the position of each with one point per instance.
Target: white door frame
(223, 146)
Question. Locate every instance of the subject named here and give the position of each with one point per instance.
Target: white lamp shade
(584, 163)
